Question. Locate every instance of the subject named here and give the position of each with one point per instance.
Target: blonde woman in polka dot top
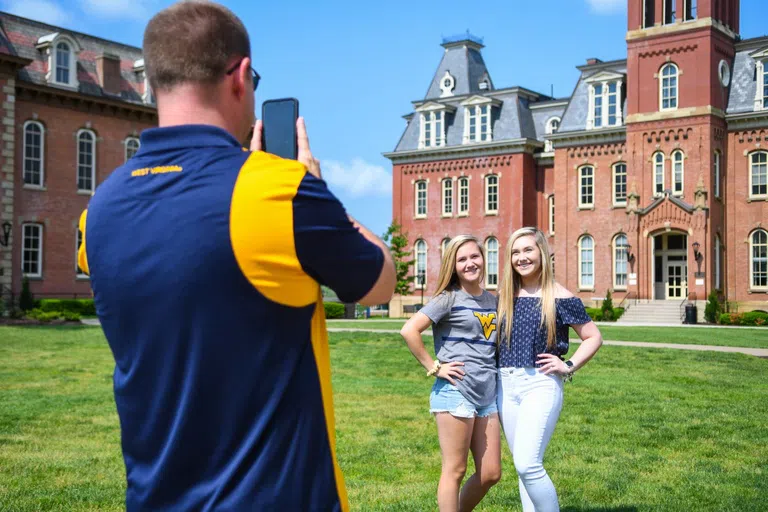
(534, 317)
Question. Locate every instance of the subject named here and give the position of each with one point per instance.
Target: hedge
(596, 314)
(83, 307)
(47, 316)
(755, 318)
(333, 310)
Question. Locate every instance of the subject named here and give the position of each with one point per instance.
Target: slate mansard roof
(19, 37)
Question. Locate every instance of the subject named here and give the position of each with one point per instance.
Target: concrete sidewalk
(758, 352)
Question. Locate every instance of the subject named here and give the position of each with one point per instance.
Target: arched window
(552, 214)
(492, 262)
(620, 184)
(553, 124)
(620, 262)
(658, 174)
(420, 248)
(447, 197)
(34, 172)
(131, 147)
(463, 196)
(421, 198)
(492, 193)
(758, 268)
(86, 160)
(444, 246)
(758, 174)
(678, 172)
(668, 87)
(63, 63)
(586, 186)
(586, 262)
(718, 260)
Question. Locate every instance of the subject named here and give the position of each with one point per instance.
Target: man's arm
(385, 285)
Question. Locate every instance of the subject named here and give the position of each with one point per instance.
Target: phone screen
(279, 118)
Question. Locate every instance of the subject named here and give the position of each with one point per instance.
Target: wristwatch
(569, 364)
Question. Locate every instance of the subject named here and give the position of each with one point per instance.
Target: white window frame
(463, 206)
(581, 248)
(614, 183)
(93, 160)
(620, 256)
(718, 262)
(605, 81)
(49, 44)
(488, 186)
(128, 142)
(658, 172)
(716, 168)
(417, 191)
(443, 246)
(41, 183)
(752, 244)
(447, 197)
(664, 8)
(79, 274)
(763, 84)
(24, 237)
(690, 10)
(582, 191)
(549, 129)
(491, 278)
(678, 159)
(752, 173)
(551, 213)
(674, 90)
(416, 257)
(482, 123)
(643, 23)
(432, 130)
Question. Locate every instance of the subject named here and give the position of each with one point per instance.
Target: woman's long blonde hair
(448, 279)
(512, 282)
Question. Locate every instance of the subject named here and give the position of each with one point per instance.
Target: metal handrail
(626, 297)
(682, 304)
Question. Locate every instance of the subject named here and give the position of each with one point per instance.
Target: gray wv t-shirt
(464, 327)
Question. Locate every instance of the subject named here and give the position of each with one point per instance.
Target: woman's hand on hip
(552, 365)
(449, 371)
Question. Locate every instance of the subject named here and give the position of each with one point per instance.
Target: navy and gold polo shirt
(206, 262)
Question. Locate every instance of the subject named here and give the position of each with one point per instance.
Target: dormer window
(553, 124)
(478, 119)
(141, 76)
(433, 129)
(61, 51)
(605, 101)
(761, 79)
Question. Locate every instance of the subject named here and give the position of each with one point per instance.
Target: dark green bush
(83, 307)
(713, 308)
(334, 310)
(71, 316)
(607, 307)
(26, 300)
(597, 314)
(43, 316)
(752, 318)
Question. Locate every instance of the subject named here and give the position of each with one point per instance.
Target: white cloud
(133, 9)
(41, 10)
(358, 178)
(607, 6)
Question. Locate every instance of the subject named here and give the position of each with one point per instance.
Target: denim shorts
(445, 397)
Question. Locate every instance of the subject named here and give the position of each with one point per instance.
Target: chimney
(108, 71)
(593, 61)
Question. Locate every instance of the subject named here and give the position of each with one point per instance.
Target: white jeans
(529, 405)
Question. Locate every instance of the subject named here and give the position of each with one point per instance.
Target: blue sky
(356, 66)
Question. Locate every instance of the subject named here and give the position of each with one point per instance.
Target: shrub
(71, 316)
(26, 300)
(730, 319)
(713, 308)
(607, 307)
(43, 316)
(598, 315)
(754, 318)
(83, 307)
(333, 310)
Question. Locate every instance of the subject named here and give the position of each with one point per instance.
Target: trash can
(690, 314)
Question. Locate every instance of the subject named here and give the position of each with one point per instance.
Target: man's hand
(305, 154)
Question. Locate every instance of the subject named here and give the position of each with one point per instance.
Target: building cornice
(609, 65)
(679, 27)
(747, 120)
(586, 137)
(709, 110)
(503, 147)
(13, 63)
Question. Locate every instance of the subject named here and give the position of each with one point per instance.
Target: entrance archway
(670, 266)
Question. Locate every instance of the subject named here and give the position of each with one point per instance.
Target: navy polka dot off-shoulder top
(529, 337)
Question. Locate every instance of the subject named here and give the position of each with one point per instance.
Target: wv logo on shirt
(487, 321)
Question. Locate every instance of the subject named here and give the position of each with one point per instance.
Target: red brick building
(650, 180)
(73, 106)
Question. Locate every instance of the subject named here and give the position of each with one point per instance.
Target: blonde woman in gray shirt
(463, 399)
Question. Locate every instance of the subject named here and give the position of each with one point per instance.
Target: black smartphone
(279, 132)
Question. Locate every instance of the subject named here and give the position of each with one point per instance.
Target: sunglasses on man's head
(256, 76)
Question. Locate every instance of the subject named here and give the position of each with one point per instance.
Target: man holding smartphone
(206, 261)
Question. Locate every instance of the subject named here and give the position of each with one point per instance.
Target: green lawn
(658, 430)
(751, 338)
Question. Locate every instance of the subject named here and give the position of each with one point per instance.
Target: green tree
(26, 300)
(713, 308)
(398, 246)
(608, 306)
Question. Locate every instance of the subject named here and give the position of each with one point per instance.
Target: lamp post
(6, 236)
(698, 257)
(630, 257)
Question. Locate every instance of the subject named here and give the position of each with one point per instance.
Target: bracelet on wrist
(435, 368)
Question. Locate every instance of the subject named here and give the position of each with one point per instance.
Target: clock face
(724, 73)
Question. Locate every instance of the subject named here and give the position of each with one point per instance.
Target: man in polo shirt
(206, 261)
